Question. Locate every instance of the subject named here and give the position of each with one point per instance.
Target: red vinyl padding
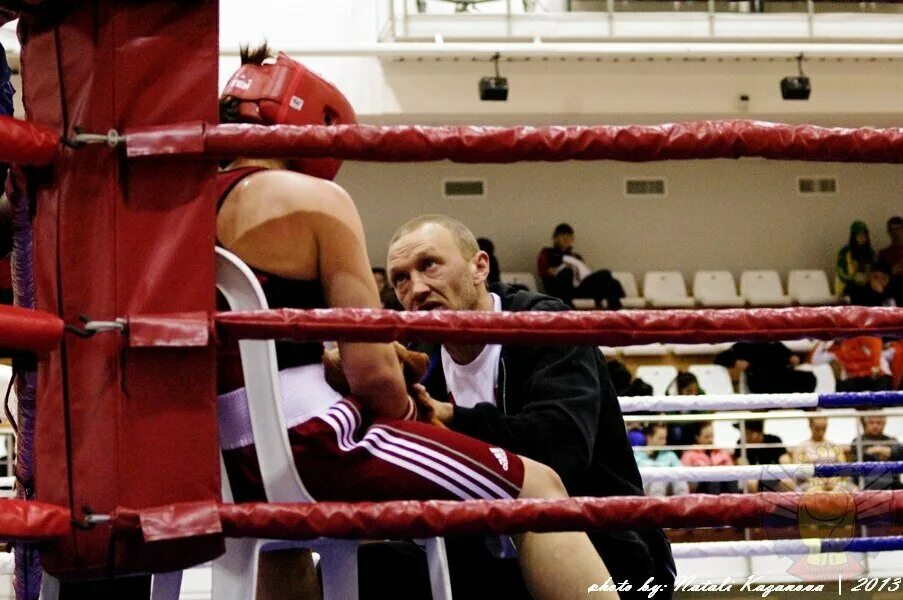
(632, 143)
(613, 328)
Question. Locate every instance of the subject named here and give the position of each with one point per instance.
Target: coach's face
(428, 271)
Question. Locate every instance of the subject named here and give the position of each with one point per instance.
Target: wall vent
(464, 188)
(816, 185)
(648, 187)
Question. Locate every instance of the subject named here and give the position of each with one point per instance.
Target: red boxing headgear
(288, 93)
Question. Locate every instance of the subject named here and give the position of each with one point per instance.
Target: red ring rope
(574, 327)
(425, 519)
(635, 143)
(22, 329)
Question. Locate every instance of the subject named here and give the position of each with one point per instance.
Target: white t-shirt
(476, 381)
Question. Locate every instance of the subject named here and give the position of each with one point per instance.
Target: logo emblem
(500, 456)
(296, 103)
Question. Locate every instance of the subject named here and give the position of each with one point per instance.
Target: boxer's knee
(541, 481)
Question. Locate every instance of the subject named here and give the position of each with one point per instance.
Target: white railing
(546, 20)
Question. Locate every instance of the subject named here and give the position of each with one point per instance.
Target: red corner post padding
(27, 330)
(119, 425)
(573, 327)
(27, 143)
(32, 521)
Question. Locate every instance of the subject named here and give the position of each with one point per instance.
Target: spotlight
(796, 87)
(494, 88)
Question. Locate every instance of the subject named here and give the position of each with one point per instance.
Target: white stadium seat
(644, 350)
(763, 288)
(716, 289)
(526, 279)
(713, 379)
(810, 287)
(697, 349)
(632, 298)
(658, 376)
(666, 289)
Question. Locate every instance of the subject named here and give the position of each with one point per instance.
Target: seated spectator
(876, 446)
(657, 435)
(386, 294)
(855, 260)
(685, 384)
(878, 291)
(754, 434)
(893, 257)
(704, 435)
(893, 352)
(495, 274)
(565, 275)
(818, 450)
(864, 366)
(769, 367)
(636, 434)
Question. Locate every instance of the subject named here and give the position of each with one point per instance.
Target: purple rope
(27, 581)
(853, 399)
(859, 469)
(867, 544)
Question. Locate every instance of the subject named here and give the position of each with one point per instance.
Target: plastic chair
(716, 289)
(658, 376)
(697, 349)
(666, 289)
(644, 350)
(528, 280)
(713, 379)
(235, 573)
(763, 288)
(632, 298)
(810, 287)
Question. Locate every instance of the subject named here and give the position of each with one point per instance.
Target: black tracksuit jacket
(556, 405)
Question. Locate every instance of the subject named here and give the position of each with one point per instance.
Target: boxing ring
(158, 518)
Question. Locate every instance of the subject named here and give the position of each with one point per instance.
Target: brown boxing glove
(413, 364)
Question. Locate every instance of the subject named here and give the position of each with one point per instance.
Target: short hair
(464, 238)
(684, 380)
(894, 220)
(563, 229)
(650, 428)
(228, 105)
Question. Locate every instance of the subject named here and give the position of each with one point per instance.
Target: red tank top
(280, 293)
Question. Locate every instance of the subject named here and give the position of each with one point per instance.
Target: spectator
(854, 261)
(893, 257)
(864, 366)
(495, 274)
(878, 291)
(703, 435)
(769, 367)
(565, 275)
(657, 435)
(874, 445)
(894, 355)
(685, 384)
(819, 450)
(773, 454)
(386, 294)
(624, 382)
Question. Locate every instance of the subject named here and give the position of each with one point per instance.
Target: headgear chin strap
(288, 93)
